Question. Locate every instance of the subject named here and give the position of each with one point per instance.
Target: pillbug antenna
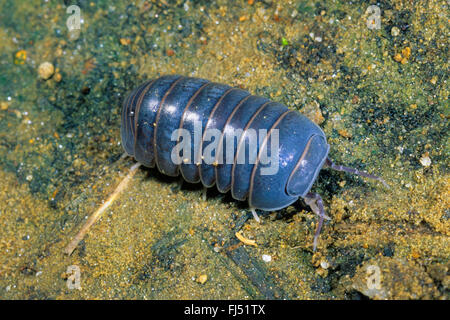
(329, 163)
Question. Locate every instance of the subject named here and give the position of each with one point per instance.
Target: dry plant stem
(96, 215)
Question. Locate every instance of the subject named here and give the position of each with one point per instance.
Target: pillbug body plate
(215, 134)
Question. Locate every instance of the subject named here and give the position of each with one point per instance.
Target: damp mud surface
(378, 88)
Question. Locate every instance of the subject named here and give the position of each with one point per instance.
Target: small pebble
(202, 278)
(324, 264)
(398, 57)
(425, 161)
(58, 77)
(344, 133)
(125, 41)
(20, 57)
(434, 80)
(312, 112)
(406, 52)
(266, 258)
(395, 31)
(294, 13)
(46, 70)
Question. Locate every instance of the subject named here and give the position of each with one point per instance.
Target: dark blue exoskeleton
(153, 111)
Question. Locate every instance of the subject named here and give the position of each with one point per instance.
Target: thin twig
(96, 215)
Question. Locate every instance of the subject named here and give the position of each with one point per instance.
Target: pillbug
(161, 113)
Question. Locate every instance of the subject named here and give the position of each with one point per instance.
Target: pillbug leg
(204, 191)
(255, 215)
(336, 167)
(179, 185)
(314, 201)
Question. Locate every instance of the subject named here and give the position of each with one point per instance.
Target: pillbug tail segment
(336, 167)
(308, 166)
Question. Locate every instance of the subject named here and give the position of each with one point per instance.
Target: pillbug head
(308, 166)
(128, 125)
